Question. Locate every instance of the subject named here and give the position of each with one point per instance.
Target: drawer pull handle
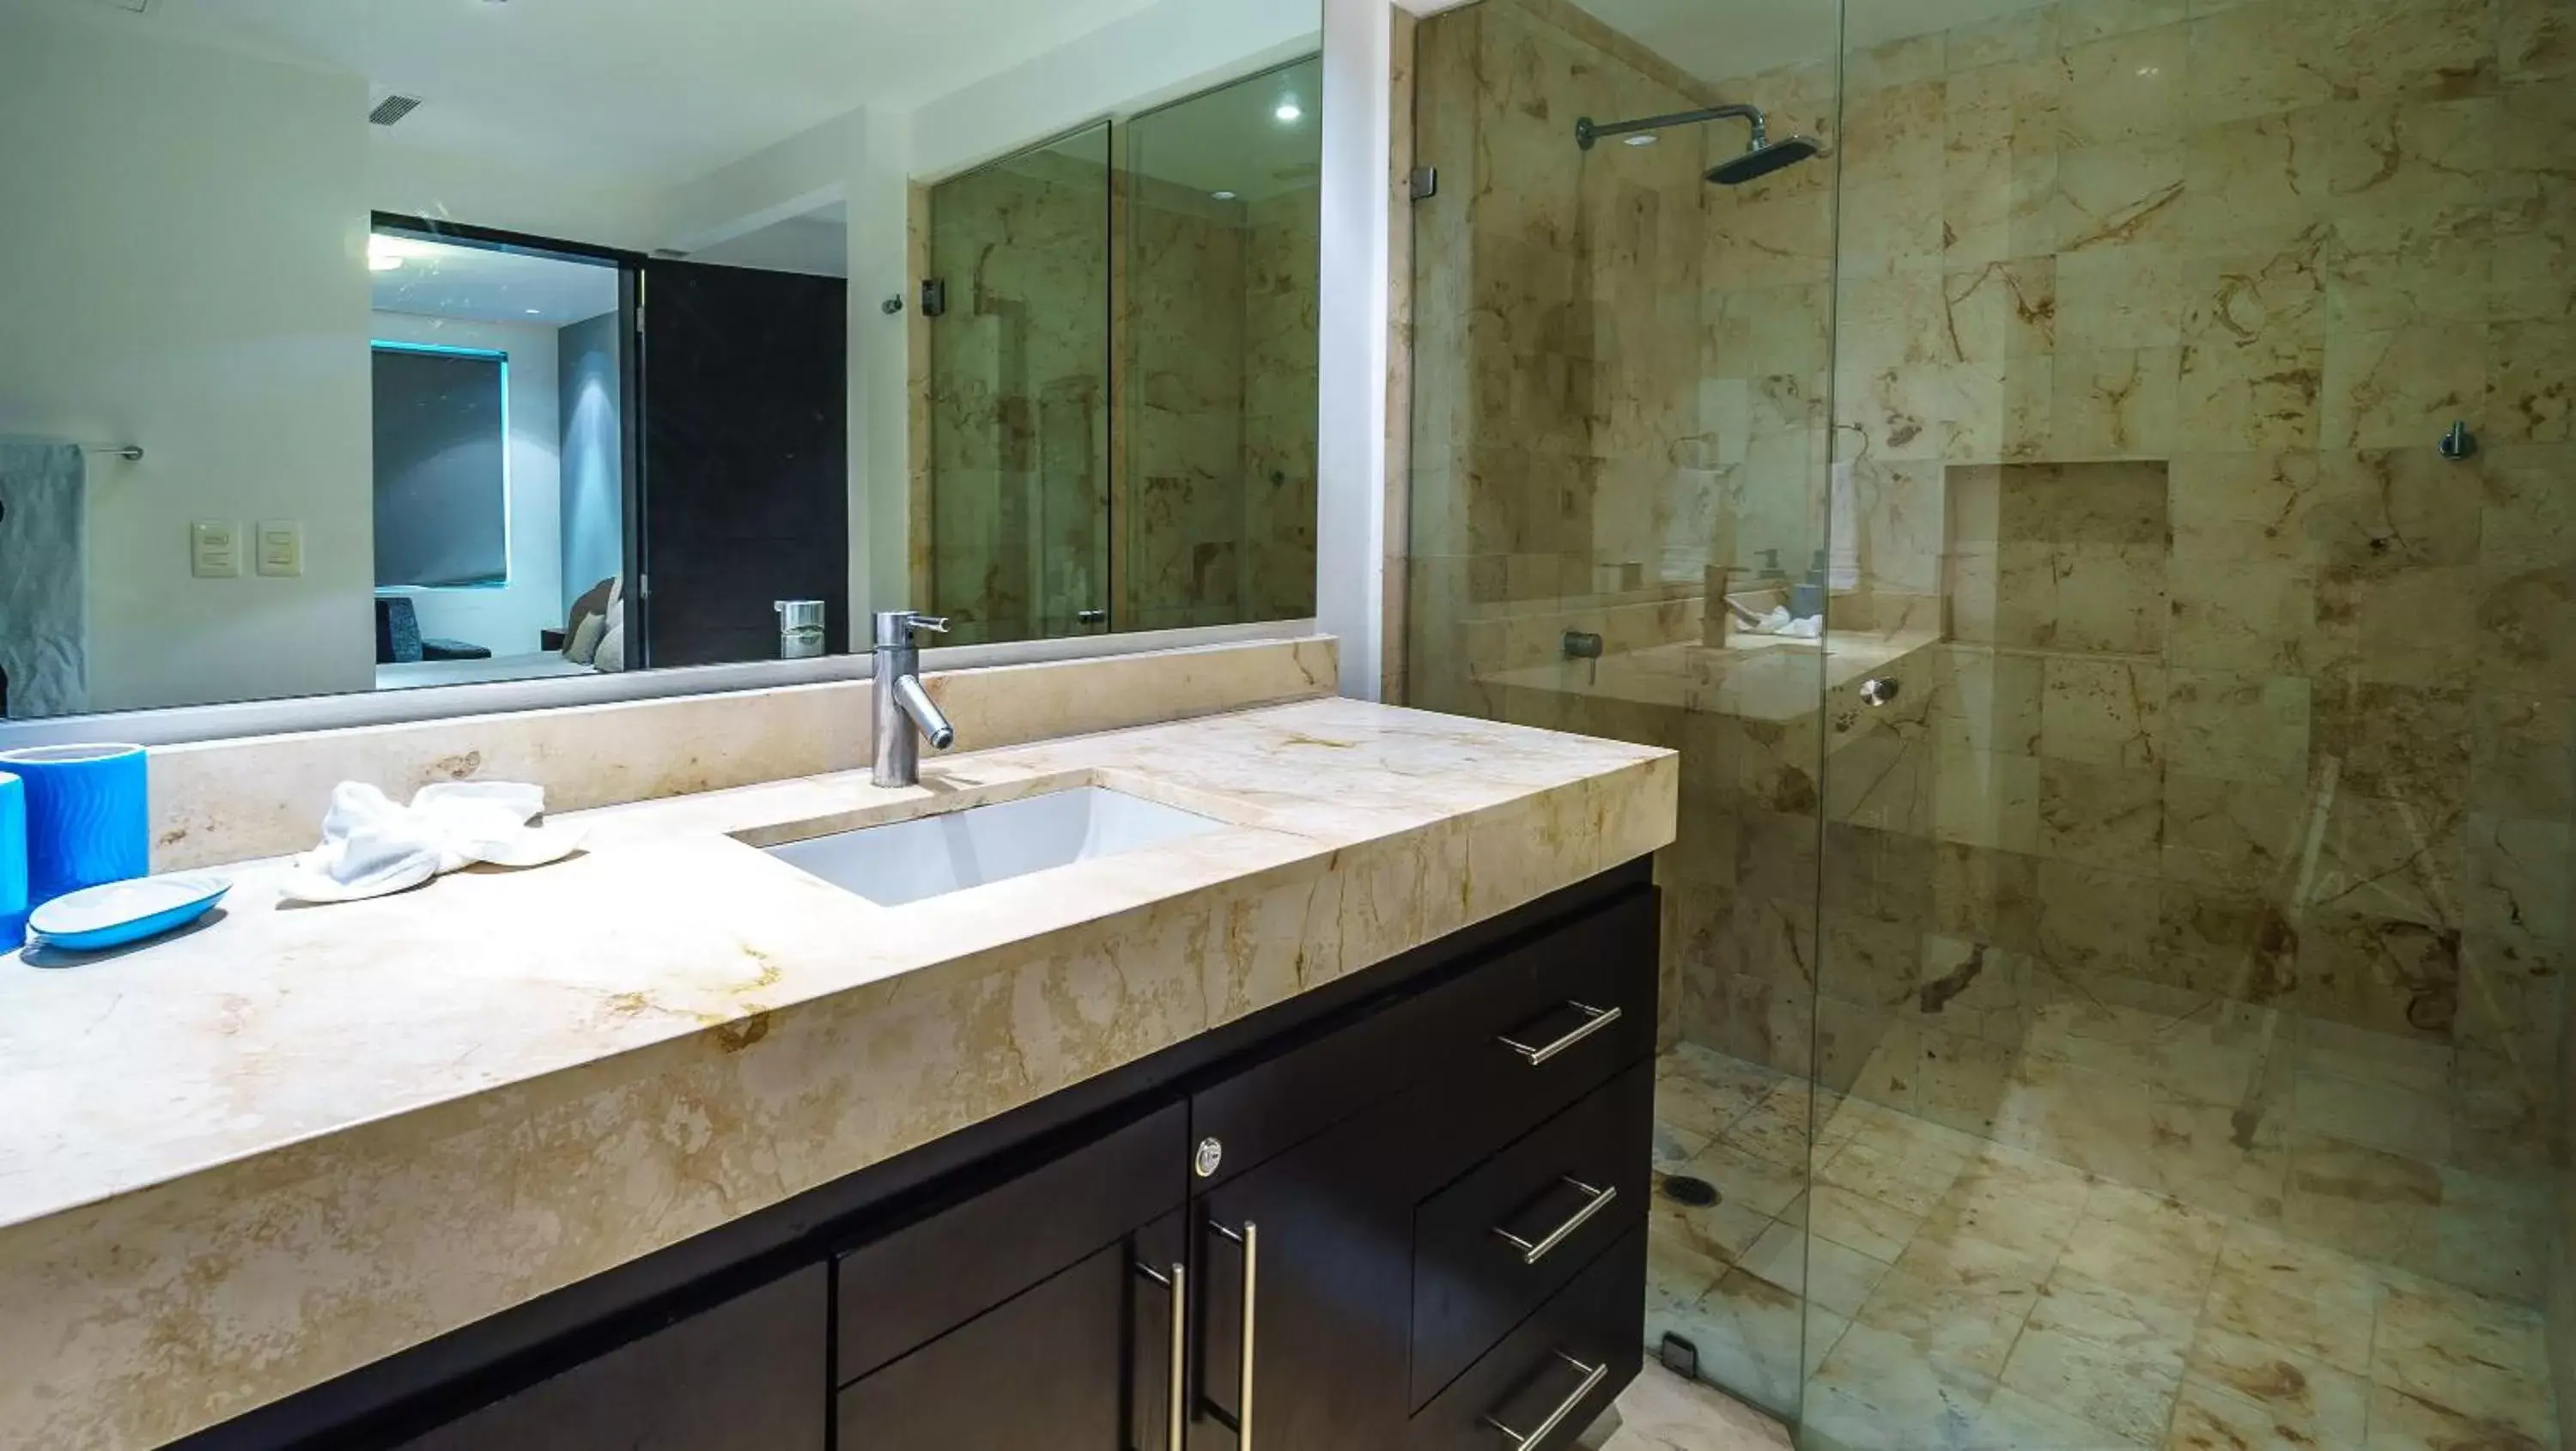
(1250, 1239)
(1532, 1253)
(1593, 1375)
(1595, 1019)
(1178, 1282)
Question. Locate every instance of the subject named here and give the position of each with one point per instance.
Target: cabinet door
(747, 1375)
(1079, 1362)
(1317, 1243)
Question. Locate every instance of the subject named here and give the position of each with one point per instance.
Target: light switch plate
(214, 549)
(281, 547)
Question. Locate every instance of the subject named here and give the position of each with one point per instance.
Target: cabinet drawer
(1522, 1037)
(1492, 1246)
(966, 1257)
(1555, 1374)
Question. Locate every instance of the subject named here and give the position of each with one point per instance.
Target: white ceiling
(477, 284)
(645, 91)
(1719, 40)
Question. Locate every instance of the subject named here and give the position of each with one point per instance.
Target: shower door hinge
(934, 297)
(1424, 183)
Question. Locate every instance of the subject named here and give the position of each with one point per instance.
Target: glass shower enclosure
(2098, 534)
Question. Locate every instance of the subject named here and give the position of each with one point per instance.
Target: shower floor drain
(1683, 1189)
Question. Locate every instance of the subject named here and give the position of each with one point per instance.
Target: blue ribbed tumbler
(13, 863)
(89, 816)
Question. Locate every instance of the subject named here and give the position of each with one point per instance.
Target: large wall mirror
(363, 345)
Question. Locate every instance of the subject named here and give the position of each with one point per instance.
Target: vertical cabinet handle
(1250, 1239)
(1593, 1375)
(1594, 1020)
(1178, 1282)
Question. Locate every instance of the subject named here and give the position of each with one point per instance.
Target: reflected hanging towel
(1842, 567)
(44, 570)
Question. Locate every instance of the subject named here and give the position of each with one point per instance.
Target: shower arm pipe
(1588, 131)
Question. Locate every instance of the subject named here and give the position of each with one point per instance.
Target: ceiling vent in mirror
(391, 108)
(132, 7)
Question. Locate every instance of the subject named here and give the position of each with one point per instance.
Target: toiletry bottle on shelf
(1807, 600)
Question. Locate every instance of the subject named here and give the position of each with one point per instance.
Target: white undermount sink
(931, 856)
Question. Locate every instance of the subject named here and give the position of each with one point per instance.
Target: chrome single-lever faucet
(901, 703)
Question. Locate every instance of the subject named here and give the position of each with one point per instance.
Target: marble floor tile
(1833, 1276)
(1877, 1390)
(2077, 1304)
(1966, 1331)
(1751, 1339)
(2145, 1246)
(2400, 1422)
(2057, 1294)
(1704, 1093)
(1775, 1129)
(2305, 1298)
(2267, 1395)
(1762, 1185)
(2455, 1350)
(2127, 1390)
(1856, 1221)
(1660, 1411)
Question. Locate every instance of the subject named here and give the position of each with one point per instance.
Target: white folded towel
(372, 847)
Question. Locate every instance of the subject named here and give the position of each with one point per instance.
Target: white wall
(488, 192)
(506, 619)
(186, 239)
(806, 246)
(1351, 313)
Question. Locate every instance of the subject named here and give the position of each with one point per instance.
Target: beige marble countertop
(245, 1160)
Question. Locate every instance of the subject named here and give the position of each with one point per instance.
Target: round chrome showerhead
(1762, 158)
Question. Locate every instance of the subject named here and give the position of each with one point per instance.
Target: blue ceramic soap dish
(97, 918)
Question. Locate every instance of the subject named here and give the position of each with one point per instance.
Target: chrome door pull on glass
(1596, 1019)
(1532, 1253)
(1593, 1375)
(1250, 1239)
(1178, 1282)
(1878, 690)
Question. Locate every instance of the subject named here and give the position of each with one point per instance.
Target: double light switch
(215, 548)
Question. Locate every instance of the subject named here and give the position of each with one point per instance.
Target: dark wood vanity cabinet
(1405, 1212)
(742, 1376)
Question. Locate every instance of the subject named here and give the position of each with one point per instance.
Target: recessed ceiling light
(1642, 138)
(1223, 196)
(1289, 112)
(532, 312)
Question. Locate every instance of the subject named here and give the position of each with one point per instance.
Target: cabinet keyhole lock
(1211, 1152)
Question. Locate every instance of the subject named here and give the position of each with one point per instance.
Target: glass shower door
(1019, 393)
(1620, 445)
(2197, 768)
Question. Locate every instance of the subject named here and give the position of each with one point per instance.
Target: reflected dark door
(746, 459)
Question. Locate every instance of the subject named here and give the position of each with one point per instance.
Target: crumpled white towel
(372, 847)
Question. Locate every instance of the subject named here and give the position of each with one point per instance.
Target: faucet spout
(924, 712)
(902, 707)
